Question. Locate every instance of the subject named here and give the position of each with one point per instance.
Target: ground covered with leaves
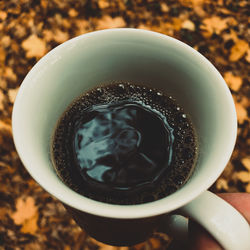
(29, 217)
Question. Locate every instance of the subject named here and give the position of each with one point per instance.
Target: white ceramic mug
(141, 57)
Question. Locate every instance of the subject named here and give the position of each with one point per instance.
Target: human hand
(200, 239)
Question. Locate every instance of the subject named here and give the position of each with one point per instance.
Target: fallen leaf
(164, 7)
(5, 41)
(72, 13)
(143, 27)
(103, 4)
(3, 15)
(214, 24)
(2, 98)
(25, 210)
(238, 50)
(2, 55)
(189, 25)
(234, 82)
(246, 162)
(244, 176)
(221, 183)
(248, 56)
(12, 94)
(5, 126)
(248, 188)
(60, 36)
(82, 26)
(35, 246)
(20, 31)
(232, 35)
(48, 35)
(9, 74)
(199, 11)
(107, 22)
(190, 3)
(241, 112)
(30, 225)
(34, 46)
(177, 23)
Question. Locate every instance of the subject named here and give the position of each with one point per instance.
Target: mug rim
(127, 211)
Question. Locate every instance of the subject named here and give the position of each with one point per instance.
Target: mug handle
(217, 216)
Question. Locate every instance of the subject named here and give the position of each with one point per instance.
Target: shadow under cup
(129, 55)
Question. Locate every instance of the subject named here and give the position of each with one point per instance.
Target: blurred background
(29, 217)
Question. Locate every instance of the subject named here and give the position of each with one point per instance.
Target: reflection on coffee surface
(124, 144)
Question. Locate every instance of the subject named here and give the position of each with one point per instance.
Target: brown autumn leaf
(190, 3)
(12, 94)
(82, 26)
(25, 210)
(238, 50)
(248, 56)
(34, 46)
(233, 82)
(48, 35)
(213, 24)
(221, 183)
(248, 188)
(241, 112)
(2, 55)
(164, 7)
(3, 15)
(243, 176)
(9, 74)
(30, 225)
(72, 12)
(246, 162)
(107, 22)
(2, 98)
(177, 23)
(103, 4)
(60, 36)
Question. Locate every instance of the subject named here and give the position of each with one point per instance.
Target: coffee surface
(124, 144)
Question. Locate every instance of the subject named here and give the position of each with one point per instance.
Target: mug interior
(138, 56)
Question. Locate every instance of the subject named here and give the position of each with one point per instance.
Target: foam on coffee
(124, 144)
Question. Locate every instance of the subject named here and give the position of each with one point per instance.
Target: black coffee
(124, 144)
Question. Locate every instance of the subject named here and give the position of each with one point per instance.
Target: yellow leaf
(241, 112)
(244, 176)
(72, 13)
(189, 25)
(221, 183)
(60, 36)
(234, 82)
(164, 7)
(12, 94)
(103, 4)
(248, 188)
(25, 210)
(30, 225)
(108, 22)
(82, 26)
(246, 162)
(177, 23)
(238, 50)
(214, 25)
(248, 56)
(34, 46)
(3, 15)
